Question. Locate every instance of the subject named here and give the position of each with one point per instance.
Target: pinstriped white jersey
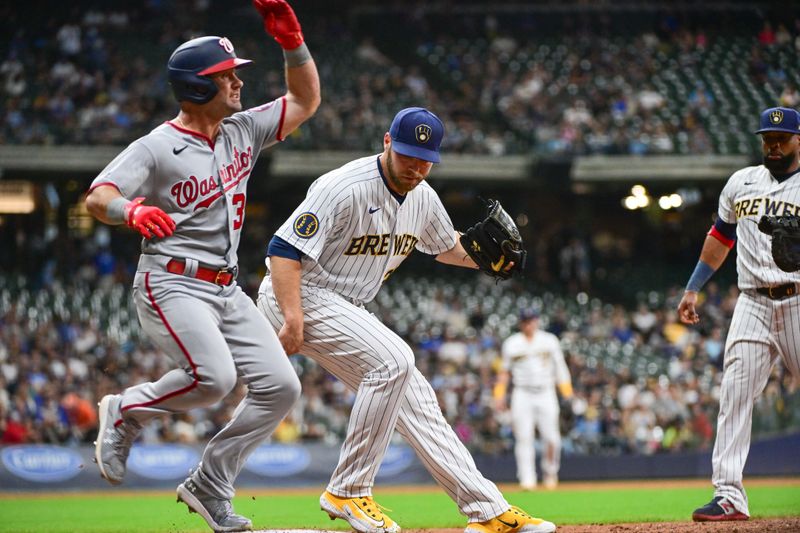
(354, 232)
(537, 362)
(749, 194)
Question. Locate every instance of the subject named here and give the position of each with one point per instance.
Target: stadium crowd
(643, 382)
(503, 83)
(646, 82)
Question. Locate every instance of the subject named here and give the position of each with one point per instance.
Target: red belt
(223, 277)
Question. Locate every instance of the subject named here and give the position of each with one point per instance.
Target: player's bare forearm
(302, 96)
(302, 79)
(97, 202)
(713, 255)
(457, 256)
(714, 252)
(286, 275)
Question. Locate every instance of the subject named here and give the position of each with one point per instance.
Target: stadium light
(638, 199)
(630, 202)
(670, 201)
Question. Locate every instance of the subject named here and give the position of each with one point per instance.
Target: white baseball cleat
(113, 443)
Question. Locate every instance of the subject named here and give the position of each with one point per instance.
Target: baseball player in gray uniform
(183, 187)
(534, 362)
(766, 321)
(355, 227)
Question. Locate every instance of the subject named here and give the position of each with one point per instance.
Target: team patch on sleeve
(306, 225)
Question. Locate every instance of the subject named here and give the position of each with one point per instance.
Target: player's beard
(397, 183)
(780, 166)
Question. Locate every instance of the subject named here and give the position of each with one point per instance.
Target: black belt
(778, 293)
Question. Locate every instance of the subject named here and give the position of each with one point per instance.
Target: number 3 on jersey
(239, 200)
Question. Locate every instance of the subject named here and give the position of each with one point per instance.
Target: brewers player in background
(766, 320)
(534, 363)
(355, 227)
(184, 188)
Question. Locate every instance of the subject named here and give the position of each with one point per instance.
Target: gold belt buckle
(233, 271)
(220, 273)
(770, 293)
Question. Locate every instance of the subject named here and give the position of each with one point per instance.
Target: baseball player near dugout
(355, 227)
(757, 209)
(183, 187)
(534, 363)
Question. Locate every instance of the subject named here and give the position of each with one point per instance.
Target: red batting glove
(280, 22)
(148, 220)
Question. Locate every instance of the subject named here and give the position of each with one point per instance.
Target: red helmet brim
(234, 62)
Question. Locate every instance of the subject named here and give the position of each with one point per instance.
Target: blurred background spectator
(504, 82)
(538, 80)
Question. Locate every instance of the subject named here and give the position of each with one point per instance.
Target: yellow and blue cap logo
(784, 119)
(416, 132)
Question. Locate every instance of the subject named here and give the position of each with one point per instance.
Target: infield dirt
(781, 525)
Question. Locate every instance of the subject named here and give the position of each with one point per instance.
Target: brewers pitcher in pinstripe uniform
(183, 187)
(355, 227)
(766, 321)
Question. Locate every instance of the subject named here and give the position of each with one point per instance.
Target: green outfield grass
(157, 512)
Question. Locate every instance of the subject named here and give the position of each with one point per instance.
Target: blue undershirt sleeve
(281, 248)
(726, 229)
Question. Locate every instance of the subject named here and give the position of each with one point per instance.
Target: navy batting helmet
(192, 62)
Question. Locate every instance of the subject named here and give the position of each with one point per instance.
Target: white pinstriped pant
(353, 345)
(761, 332)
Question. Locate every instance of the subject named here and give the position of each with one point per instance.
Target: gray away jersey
(354, 232)
(199, 182)
(749, 194)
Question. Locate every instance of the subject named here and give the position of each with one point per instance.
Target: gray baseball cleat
(217, 513)
(113, 442)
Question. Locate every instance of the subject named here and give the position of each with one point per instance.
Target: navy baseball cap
(416, 132)
(528, 314)
(783, 119)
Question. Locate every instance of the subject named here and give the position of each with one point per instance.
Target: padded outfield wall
(48, 468)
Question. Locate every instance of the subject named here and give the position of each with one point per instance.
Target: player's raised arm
(302, 79)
